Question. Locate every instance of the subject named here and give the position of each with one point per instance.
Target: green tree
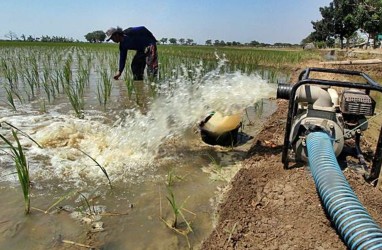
(173, 40)
(254, 43)
(31, 38)
(209, 42)
(11, 35)
(324, 28)
(345, 21)
(339, 19)
(95, 36)
(369, 18)
(100, 36)
(189, 41)
(163, 40)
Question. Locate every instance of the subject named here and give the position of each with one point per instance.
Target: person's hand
(116, 77)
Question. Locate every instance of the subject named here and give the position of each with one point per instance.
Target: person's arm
(122, 61)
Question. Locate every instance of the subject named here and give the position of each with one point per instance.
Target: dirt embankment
(269, 207)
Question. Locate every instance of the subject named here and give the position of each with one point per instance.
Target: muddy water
(150, 152)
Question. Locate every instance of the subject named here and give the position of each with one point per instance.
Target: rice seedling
(59, 200)
(10, 100)
(177, 212)
(42, 106)
(104, 87)
(214, 162)
(172, 177)
(21, 163)
(129, 82)
(87, 203)
(33, 61)
(9, 72)
(99, 165)
(23, 133)
(22, 167)
(76, 98)
(67, 71)
(49, 91)
(29, 78)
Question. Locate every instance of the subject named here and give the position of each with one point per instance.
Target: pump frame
(304, 79)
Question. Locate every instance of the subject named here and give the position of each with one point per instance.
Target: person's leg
(138, 65)
(152, 61)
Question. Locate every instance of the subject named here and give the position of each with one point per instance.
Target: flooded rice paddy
(109, 173)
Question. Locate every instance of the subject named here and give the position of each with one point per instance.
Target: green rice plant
(35, 72)
(28, 76)
(76, 99)
(10, 100)
(23, 133)
(9, 72)
(174, 207)
(59, 80)
(22, 168)
(87, 203)
(99, 165)
(177, 212)
(42, 105)
(172, 178)
(214, 162)
(49, 90)
(104, 87)
(83, 73)
(59, 200)
(129, 81)
(67, 71)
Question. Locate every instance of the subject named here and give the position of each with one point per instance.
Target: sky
(267, 21)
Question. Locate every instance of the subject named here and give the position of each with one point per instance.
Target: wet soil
(269, 207)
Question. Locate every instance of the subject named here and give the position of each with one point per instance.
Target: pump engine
(339, 108)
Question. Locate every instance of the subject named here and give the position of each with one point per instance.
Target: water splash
(127, 148)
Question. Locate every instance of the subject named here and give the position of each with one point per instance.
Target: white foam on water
(127, 148)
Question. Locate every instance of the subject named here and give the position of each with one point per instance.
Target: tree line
(99, 36)
(345, 19)
(342, 20)
(13, 37)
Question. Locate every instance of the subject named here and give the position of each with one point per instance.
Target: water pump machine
(322, 116)
(339, 108)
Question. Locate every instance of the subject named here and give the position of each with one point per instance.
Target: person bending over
(143, 42)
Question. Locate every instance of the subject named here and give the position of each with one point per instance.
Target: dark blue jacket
(135, 38)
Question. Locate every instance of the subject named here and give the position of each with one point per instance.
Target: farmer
(141, 40)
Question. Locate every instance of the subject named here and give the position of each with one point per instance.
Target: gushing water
(128, 147)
